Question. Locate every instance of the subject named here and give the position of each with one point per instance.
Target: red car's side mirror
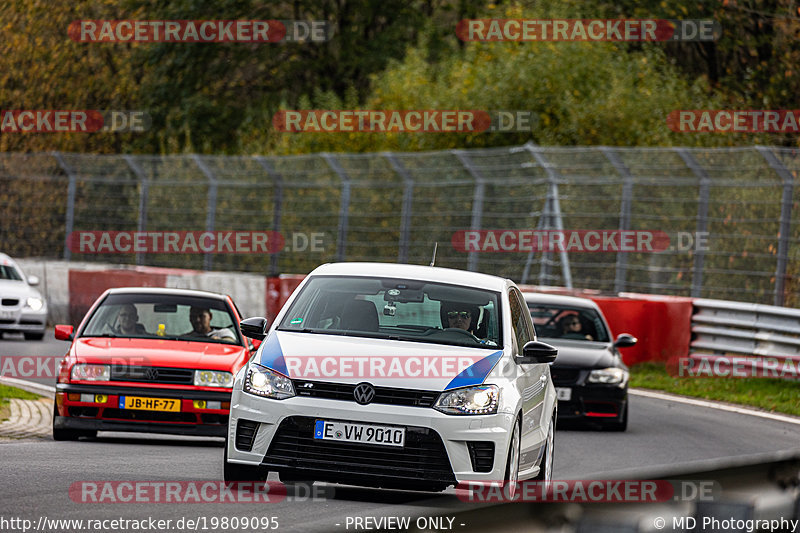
(64, 333)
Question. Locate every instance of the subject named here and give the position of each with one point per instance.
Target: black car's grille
(10, 302)
(384, 395)
(245, 434)
(481, 453)
(151, 374)
(564, 376)
(423, 460)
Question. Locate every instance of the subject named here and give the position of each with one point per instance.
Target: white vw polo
(395, 376)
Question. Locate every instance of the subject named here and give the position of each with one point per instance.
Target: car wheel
(546, 466)
(510, 484)
(32, 336)
(64, 434)
(620, 424)
(237, 472)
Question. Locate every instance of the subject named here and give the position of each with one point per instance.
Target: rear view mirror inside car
(165, 308)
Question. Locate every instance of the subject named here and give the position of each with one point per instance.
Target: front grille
(564, 376)
(422, 461)
(245, 434)
(5, 321)
(481, 453)
(151, 374)
(383, 395)
(155, 416)
(9, 302)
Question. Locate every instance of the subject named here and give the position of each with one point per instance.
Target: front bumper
(104, 413)
(23, 320)
(596, 403)
(437, 453)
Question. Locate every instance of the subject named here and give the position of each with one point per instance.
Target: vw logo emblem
(364, 393)
(151, 374)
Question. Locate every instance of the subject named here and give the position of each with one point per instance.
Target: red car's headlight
(89, 372)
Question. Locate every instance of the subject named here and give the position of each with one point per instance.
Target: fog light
(199, 404)
(100, 398)
(226, 405)
(214, 405)
(74, 397)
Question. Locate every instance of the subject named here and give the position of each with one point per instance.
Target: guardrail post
(785, 223)
(277, 179)
(69, 224)
(477, 201)
(621, 274)
(211, 212)
(552, 217)
(344, 206)
(405, 210)
(144, 184)
(702, 217)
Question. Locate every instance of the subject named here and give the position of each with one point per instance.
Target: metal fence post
(344, 207)
(69, 224)
(702, 217)
(405, 210)
(785, 222)
(621, 274)
(211, 212)
(477, 201)
(277, 179)
(552, 216)
(141, 224)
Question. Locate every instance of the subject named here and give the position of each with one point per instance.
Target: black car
(590, 378)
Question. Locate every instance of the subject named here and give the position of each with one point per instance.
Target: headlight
(609, 376)
(481, 400)
(35, 303)
(212, 378)
(268, 384)
(87, 372)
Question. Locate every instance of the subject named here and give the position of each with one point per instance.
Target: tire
(237, 472)
(32, 336)
(511, 478)
(620, 424)
(63, 434)
(546, 466)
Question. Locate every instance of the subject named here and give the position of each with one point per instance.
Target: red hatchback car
(150, 360)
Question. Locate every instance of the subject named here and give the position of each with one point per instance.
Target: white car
(22, 307)
(395, 376)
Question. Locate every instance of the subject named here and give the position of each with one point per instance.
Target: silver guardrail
(721, 329)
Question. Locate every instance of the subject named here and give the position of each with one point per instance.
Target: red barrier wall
(278, 291)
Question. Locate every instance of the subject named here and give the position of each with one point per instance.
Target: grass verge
(7, 393)
(777, 395)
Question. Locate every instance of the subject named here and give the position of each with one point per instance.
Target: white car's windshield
(163, 316)
(10, 273)
(565, 322)
(399, 309)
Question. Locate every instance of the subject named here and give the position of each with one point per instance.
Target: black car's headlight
(264, 382)
(608, 376)
(480, 400)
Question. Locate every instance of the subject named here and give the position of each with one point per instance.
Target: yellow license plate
(149, 404)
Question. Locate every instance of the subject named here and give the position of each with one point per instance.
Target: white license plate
(362, 433)
(564, 393)
(8, 315)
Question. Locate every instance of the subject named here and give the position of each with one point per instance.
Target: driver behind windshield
(461, 316)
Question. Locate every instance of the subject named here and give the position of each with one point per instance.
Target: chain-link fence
(395, 206)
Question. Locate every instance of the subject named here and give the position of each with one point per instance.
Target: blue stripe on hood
(272, 355)
(476, 373)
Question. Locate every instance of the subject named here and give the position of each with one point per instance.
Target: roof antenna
(435, 247)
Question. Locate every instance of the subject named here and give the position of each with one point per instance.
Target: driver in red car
(201, 322)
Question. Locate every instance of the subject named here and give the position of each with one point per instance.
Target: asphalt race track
(37, 474)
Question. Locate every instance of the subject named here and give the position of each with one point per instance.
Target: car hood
(384, 363)
(582, 354)
(17, 289)
(158, 352)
